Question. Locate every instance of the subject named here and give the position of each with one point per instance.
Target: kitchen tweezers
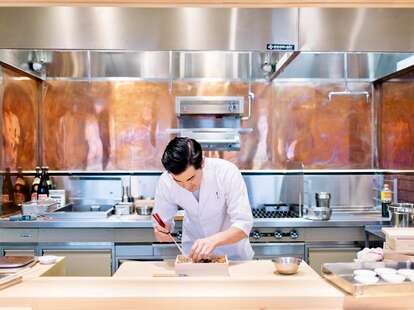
(160, 222)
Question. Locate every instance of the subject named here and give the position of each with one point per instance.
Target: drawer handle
(26, 235)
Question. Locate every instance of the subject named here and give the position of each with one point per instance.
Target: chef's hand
(203, 248)
(161, 234)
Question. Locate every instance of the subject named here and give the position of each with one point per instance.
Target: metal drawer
(269, 250)
(165, 250)
(131, 251)
(18, 235)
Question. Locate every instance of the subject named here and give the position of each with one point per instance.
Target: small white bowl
(411, 278)
(364, 272)
(47, 259)
(385, 270)
(366, 279)
(393, 278)
(406, 272)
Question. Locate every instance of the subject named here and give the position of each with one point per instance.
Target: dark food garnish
(210, 260)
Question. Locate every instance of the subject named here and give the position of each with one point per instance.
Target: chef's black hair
(181, 153)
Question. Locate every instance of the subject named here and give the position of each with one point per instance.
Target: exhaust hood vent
(213, 121)
(209, 106)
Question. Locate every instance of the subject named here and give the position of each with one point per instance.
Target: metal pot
(401, 214)
(319, 214)
(323, 199)
(144, 205)
(144, 210)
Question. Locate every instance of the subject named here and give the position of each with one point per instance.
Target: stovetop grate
(276, 211)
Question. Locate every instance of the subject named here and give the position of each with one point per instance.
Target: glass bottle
(48, 180)
(386, 199)
(20, 188)
(35, 184)
(7, 190)
(43, 189)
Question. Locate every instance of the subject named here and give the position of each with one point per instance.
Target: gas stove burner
(276, 211)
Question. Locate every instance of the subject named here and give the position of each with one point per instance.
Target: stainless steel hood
(205, 43)
(246, 67)
(207, 29)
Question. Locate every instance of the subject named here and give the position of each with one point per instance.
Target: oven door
(270, 250)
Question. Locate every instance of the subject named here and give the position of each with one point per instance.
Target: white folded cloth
(370, 255)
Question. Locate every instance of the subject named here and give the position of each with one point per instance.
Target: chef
(212, 192)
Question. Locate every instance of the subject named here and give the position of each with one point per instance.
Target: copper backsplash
(19, 120)
(122, 125)
(396, 130)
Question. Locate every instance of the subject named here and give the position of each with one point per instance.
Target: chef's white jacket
(223, 203)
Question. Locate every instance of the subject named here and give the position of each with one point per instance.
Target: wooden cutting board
(15, 261)
(399, 233)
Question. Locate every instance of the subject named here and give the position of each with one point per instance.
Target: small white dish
(411, 278)
(47, 259)
(366, 279)
(385, 270)
(406, 272)
(364, 272)
(393, 278)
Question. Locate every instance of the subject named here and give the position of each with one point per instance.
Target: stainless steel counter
(127, 222)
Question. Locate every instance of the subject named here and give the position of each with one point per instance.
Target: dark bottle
(35, 184)
(20, 188)
(48, 180)
(7, 190)
(43, 189)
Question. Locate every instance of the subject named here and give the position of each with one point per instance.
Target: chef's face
(190, 178)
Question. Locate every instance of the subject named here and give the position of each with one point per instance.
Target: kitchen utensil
(160, 222)
(47, 259)
(39, 207)
(144, 210)
(319, 214)
(144, 205)
(9, 280)
(385, 270)
(365, 279)
(123, 208)
(393, 278)
(341, 274)
(364, 272)
(15, 261)
(400, 214)
(95, 208)
(323, 199)
(287, 265)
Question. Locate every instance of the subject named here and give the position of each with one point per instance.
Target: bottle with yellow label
(386, 199)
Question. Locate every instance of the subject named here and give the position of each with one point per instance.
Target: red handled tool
(160, 222)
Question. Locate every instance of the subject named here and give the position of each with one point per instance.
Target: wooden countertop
(250, 285)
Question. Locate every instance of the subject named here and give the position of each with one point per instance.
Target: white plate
(393, 278)
(47, 259)
(366, 279)
(406, 272)
(364, 272)
(385, 270)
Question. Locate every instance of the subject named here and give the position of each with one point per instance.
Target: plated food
(213, 266)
